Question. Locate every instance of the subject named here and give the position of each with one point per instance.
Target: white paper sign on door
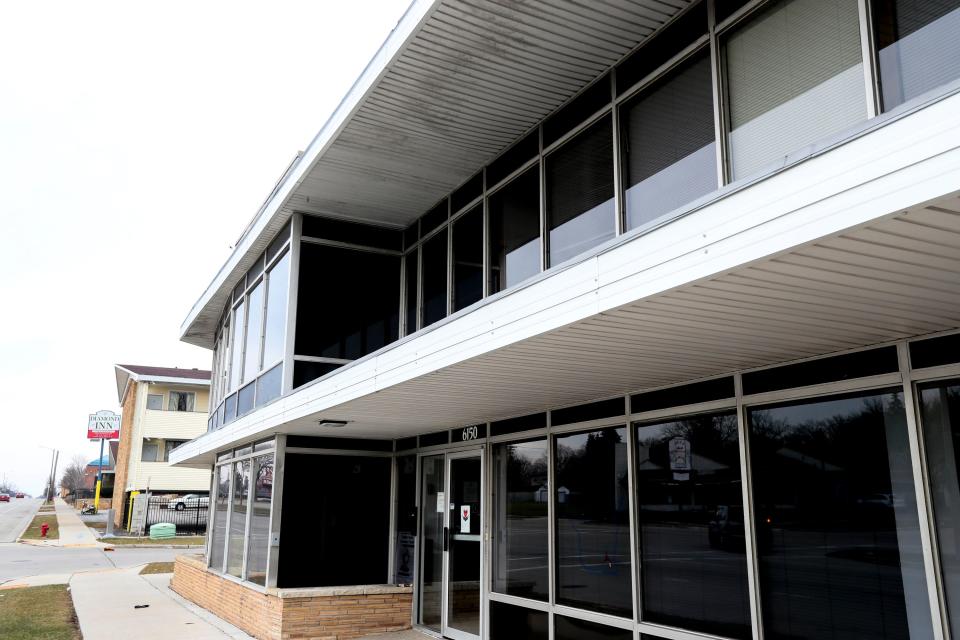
(440, 502)
(465, 519)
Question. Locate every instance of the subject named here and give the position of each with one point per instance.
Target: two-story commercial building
(617, 319)
(163, 407)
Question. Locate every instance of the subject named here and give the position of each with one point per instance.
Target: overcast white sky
(136, 141)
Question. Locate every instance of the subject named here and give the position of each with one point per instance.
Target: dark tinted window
(467, 192)
(590, 411)
(669, 143)
(352, 232)
(468, 259)
(513, 158)
(412, 275)
(355, 444)
(515, 231)
(349, 300)
(278, 241)
(509, 623)
(520, 496)
(935, 351)
(304, 372)
(846, 367)
(434, 253)
(411, 234)
(593, 529)
(580, 210)
(572, 629)
(837, 529)
(406, 443)
(404, 571)
(918, 48)
(434, 218)
(268, 385)
(663, 46)
(705, 391)
(433, 439)
(518, 424)
(589, 102)
(690, 506)
(723, 9)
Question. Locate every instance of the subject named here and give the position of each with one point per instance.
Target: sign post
(102, 425)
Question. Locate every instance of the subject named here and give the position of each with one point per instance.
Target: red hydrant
(43, 530)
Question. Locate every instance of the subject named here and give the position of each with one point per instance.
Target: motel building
(617, 319)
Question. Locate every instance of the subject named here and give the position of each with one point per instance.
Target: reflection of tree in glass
(585, 472)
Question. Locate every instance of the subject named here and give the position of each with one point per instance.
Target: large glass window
(259, 539)
(837, 528)
(940, 414)
(251, 357)
(435, 278)
(669, 143)
(221, 507)
(412, 277)
(693, 564)
(405, 569)
(593, 529)
(236, 356)
(468, 259)
(275, 326)
(794, 76)
(509, 623)
(565, 628)
(238, 518)
(514, 214)
(181, 401)
(579, 195)
(520, 497)
(918, 48)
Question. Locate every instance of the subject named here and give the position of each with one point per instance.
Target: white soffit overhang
(857, 246)
(456, 82)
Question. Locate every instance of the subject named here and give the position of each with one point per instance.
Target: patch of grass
(33, 531)
(180, 541)
(157, 567)
(38, 613)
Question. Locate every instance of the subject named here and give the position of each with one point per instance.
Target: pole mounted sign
(103, 425)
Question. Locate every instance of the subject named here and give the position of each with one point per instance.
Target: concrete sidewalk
(106, 601)
(73, 532)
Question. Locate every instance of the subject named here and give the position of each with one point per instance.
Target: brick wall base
(291, 614)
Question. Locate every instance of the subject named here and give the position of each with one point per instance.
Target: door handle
(446, 538)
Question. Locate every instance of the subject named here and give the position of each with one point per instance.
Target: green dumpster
(162, 531)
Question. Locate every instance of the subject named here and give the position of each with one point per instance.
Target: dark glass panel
(518, 424)
(245, 399)
(411, 234)
(706, 391)
(268, 385)
(406, 443)
(434, 278)
(278, 242)
(432, 470)
(334, 543)
(348, 302)
(940, 415)
(565, 628)
(238, 290)
(593, 529)
(347, 444)
(468, 259)
(404, 570)
(412, 275)
(230, 409)
(238, 518)
(723, 9)
(846, 367)
(838, 534)
(690, 506)
(434, 218)
(433, 439)
(515, 231)
(520, 496)
(579, 198)
(468, 433)
(366, 235)
(590, 411)
(513, 158)
(508, 622)
(935, 352)
(669, 144)
(918, 48)
(255, 270)
(463, 557)
(664, 45)
(590, 101)
(467, 192)
(304, 372)
(258, 540)
(221, 506)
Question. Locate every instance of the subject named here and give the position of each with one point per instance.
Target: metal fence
(188, 514)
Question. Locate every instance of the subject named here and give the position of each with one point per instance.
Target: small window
(181, 401)
(150, 450)
(170, 445)
(155, 401)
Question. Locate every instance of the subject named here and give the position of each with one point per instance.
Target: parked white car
(189, 501)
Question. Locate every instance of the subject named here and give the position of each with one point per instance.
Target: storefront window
(221, 506)
(259, 539)
(521, 494)
(405, 570)
(508, 622)
(838, 534)
(593, 529)
(515, 231)
(690, 506)
(238, 518)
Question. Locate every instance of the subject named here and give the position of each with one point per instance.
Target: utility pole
(53, 478)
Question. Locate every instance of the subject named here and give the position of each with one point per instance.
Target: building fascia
(887, 170)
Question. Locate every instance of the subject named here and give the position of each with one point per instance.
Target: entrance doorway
(451, 504)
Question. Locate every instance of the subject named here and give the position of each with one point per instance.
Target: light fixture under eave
(331, 423)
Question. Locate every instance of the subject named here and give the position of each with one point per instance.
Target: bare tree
(72, 478)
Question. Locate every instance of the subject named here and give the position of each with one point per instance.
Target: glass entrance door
(464, 547)
(451, 507)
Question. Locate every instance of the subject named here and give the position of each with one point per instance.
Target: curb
(152, 546)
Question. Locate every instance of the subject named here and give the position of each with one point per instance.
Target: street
(15, 516)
